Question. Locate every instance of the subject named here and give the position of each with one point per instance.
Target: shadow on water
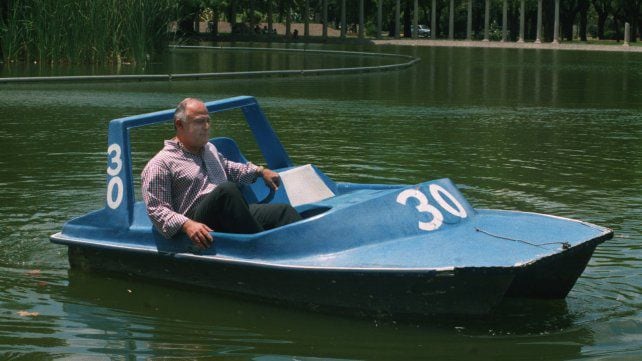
(122, 316)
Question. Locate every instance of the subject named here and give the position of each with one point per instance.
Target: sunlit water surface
(542, 131)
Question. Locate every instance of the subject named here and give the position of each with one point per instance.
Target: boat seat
(302, 184)
(229, 149)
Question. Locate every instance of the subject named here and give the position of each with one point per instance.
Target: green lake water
(557, 132)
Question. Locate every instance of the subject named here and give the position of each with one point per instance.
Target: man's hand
(199, 233)
(271, 179)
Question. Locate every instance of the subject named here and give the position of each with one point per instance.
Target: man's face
(195, 132)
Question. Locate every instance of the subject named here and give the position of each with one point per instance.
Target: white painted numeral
(438, 193)
(423, 207)
(116, 181)
(114, 148)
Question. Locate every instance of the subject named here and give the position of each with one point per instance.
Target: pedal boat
(360, 248)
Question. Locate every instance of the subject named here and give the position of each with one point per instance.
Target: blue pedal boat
(360, 248)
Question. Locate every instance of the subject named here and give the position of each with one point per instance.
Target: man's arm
(270, 177)
(156, 184)
(244, 173)
(248, 173)
(157, 193)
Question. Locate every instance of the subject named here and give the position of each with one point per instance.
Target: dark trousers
(225, 210)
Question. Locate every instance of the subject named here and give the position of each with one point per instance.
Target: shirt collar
(176, 145)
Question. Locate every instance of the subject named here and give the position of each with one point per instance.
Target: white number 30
(115, 181)
(437, 193)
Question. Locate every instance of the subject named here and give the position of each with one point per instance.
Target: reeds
(85, 31)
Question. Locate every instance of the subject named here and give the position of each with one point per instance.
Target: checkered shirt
(175, 180)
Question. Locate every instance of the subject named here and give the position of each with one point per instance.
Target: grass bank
(84, 31)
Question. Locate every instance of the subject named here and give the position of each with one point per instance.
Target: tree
(583, 6)
(407, 18)
(629, 11)
(568, 13)
(603, 9)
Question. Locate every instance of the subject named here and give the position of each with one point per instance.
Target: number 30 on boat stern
(435, 204)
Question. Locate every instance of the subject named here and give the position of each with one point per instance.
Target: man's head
(192, 123)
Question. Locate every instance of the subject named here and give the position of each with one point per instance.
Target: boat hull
(412, 293)
(553, 277)
(418, 249)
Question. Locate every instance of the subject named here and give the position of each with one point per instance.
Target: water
(542, 131)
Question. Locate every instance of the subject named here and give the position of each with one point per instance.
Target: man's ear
(178, 124)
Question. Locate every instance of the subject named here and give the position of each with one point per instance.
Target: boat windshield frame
(120, 198)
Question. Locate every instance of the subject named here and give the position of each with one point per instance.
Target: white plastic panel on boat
(303, 185)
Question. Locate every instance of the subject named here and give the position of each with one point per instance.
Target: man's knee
(228, 192)
(227, 188)
(222, 197)
(289, 214)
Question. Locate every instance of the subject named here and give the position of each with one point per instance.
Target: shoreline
(508, 45)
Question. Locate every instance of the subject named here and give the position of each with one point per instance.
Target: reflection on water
(521, 129)
(215, 58)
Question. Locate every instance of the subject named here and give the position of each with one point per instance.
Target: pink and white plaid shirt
(175, 180)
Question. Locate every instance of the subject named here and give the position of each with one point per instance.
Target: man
(189, 186)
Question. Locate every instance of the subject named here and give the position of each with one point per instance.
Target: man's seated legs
(274, 215)
(225, 210)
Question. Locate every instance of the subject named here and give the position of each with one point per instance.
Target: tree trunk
(634, 35)
(214, 24)
(567, 29)
(603, 10)
(407, 20)
(583, 21)
(601, 21)
(4, 15)
(288, 20)
(232, 18)
(548, 18)
(186, 25)
(568, 14)
(270, 17)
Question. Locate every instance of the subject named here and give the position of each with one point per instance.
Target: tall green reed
(85, 31)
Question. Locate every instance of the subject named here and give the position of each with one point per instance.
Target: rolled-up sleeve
(157, 194)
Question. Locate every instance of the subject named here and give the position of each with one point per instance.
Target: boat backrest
(229, 149)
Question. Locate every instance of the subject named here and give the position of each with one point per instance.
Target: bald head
(181, 109)
(192, 123)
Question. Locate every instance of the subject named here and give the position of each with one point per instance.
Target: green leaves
(85, 31)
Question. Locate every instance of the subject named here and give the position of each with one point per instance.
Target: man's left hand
(271, 179)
